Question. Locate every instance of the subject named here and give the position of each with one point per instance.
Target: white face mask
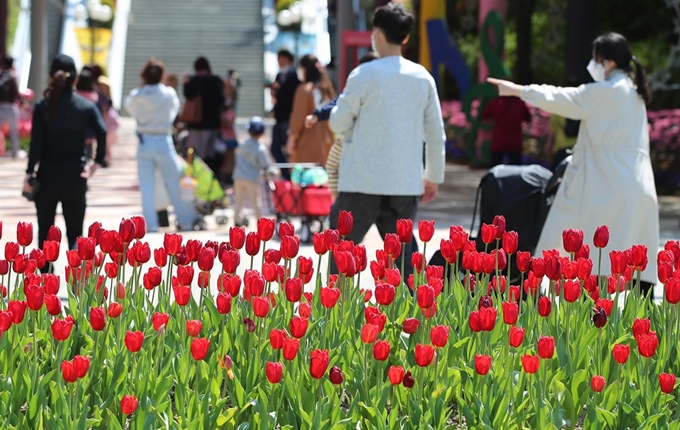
(373, 43)
(301, 75)
(597, 71)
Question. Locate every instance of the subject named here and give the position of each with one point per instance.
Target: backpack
(7, 93)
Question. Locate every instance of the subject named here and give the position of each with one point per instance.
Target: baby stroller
(305, 195)
(523, 195)
(209, 196)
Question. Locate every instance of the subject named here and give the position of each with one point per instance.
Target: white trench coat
(610, 179)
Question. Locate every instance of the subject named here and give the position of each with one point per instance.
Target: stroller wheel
(221, 220)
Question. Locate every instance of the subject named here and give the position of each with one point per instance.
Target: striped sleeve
(333, 165)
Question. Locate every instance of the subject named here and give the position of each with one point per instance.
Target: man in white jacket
(389, 107)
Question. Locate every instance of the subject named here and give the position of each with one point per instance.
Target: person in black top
(9, 95)
(283, 93)
(60, 124)
(203, 135)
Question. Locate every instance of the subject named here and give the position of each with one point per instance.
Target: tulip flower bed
(166, 338)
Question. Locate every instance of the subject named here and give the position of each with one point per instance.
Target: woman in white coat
(610, 179)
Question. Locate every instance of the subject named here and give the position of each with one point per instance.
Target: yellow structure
(429, 9)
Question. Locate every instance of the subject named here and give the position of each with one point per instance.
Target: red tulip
(206, 259)
(621, 353)
(274, 372)
(410, 325)
(487, 318)
(298, 327)
(392, 245)
(305, 310)
(237, 237)
(601, 237)
(24, 233)
(475, 322)
(619, 262)
(35, 296)
(530, 363)
(359, 253)
(5, 321)
(199, 348)
(425, 230)
(335, 375)
(500, 224)
(597, 383)
(439, 335)
(61, 328)
(286, 229)
(638, 257)
(605, 304)
(331, 238)
(81, 365)
(425, 296)
(194, 328)
(459, 237)
(223, 303)
(510, 312)
(546, 347)
(140, 226)
(647, 344)
(482, 364)
(127, 230)
(424, 355)
(134, 340)
(395, 374)
(115, 309)
(290, 245)
(544, 307)
(18, 310)
(53, 234)
(265, 228)
(128, 405)
(182, 294)
(572, 240)
(384, 294)
(97, 319)
(290, 348)
(68, 372)
(369, 333)
(516, 336)
(319, 243)
(260, 307)
(51, 250)
(523, 261)
(488, 233)
(641, 326)
(4, 267)
(11, 250)
(572, 290)
(293, 289)
(159, 320)
(405, 230)
(318, 363)
(52, 304)
(510, 242)
(667, 382)
(276, 338)
(345, 223)
(329, 297)
(172, 243)
(381, 350)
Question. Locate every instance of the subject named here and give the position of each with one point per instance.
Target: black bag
(571, 127)
(7, 90)
(523, 195)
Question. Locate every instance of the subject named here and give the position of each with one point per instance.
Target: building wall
(228, 32)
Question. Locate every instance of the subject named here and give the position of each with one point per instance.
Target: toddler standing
(251, 160)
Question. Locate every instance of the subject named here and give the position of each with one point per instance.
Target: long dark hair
(614, 47)
(61, 81)
(310, 64)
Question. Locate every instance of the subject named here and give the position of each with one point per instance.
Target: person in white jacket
(154, 106)
(610, 179)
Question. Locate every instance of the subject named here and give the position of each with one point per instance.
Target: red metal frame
(355, 40)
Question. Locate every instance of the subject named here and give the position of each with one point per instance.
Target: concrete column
(345, 21)
(3, 28)
(581, 31)
(39, 62)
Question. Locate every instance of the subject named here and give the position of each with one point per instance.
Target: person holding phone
(610, 179)
(58, 149)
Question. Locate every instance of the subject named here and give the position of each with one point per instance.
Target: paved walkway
(114, 194)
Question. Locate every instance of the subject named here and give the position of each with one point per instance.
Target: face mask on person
(373, 43)
(301, 75)
(597, 71)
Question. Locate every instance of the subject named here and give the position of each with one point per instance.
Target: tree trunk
(524, 10)
(3, 28)
(581, 30)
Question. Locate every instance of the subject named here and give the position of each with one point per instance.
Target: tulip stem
(366, 373)
(35, 350)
